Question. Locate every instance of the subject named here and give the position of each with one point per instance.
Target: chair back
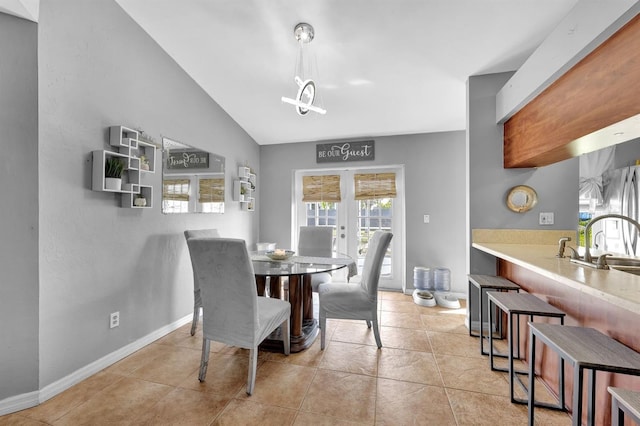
(315, 241)
(228, 287)
(378, 244)
(199, 233)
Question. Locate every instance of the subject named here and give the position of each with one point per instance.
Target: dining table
(269, 274)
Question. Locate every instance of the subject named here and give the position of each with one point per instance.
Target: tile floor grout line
(451, 347)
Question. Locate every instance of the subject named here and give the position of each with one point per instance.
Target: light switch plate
(546, 218)
(426, 218)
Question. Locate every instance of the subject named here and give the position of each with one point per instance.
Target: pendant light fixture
(303, 74)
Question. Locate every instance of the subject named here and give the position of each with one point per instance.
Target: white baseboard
(31, 399)
(459, 295)
(19, 402)
(475, 326)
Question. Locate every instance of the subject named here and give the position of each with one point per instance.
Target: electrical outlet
(546, 218)
(426, 218)
(114, 319)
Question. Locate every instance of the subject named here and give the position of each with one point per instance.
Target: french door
(355, 220)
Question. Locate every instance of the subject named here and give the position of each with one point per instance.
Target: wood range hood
(593, 105)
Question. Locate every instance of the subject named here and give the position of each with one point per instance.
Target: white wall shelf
(130, 151)
(129, 199)
(244, 188)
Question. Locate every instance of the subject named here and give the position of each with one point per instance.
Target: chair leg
(204, 361)
(368, 323)
(253, 362)
(323, 330)
(376, 332)
(286, 327)
(196, 317)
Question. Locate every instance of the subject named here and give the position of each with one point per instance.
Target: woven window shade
(321, 188)
(175, 189)
(375, 185)
(211, 190)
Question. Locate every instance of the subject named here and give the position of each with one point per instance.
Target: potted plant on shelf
(113, 169)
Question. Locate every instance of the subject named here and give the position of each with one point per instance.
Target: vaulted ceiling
(386, 67)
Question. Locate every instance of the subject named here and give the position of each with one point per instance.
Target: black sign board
(188, 160)
(340, 152)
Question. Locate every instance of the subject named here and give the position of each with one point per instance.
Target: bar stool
(624, 401)
(514, 305)
(484, 283)
(586, 349)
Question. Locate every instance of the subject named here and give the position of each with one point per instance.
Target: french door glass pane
(374, 215)
(321, 214)
(171, 206)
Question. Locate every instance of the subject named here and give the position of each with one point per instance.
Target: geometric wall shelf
(139, 158)
(244, 187)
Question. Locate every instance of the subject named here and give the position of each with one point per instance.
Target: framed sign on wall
(340, 152)
(188, 159)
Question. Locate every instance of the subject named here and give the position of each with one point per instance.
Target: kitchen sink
(624, 264)
(635, 270)
(630, 265)
(623, 261)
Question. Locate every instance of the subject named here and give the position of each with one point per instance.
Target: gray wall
(489, 182)
(96, 68)
(19, 207)
(434, 185)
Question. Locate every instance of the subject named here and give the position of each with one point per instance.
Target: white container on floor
(446, 300)
(423, 298)
(422, 278)
(442, 279)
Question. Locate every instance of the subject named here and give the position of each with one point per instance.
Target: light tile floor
(429, 372)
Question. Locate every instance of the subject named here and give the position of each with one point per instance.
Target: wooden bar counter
(607, 300)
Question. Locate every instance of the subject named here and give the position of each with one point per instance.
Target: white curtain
(592, 166)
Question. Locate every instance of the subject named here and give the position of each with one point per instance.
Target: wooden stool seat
(624, 401)
(483, 283)
(586, 349)
(514, 305)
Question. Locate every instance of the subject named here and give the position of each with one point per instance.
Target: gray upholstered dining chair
(232, 312)
(357, 301)
(316, 241)
(197, 301)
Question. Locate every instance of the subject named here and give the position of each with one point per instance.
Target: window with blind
(211, 195)
(321, 188)
(211, 190)
(175, 195)
(320, 194)
(175, 189)
(375, 193)
(371, 186)
(368, 199)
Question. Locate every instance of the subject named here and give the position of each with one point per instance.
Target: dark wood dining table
(298, 270)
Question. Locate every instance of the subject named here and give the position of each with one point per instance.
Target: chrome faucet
(595, 238)
(561, 245)
(587, 254)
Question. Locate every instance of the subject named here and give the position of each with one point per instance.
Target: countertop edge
(618, 288)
